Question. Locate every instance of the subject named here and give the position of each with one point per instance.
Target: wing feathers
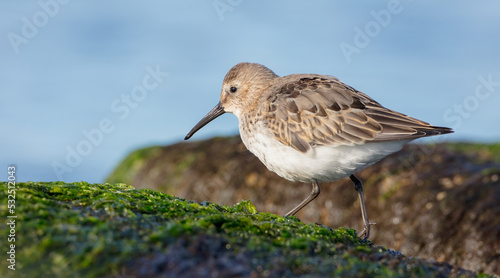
(320, 110)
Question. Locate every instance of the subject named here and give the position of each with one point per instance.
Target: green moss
(485, 151)
(127, 169)
(189, 158)
(90, 230)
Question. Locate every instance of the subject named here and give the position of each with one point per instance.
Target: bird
(313, 128)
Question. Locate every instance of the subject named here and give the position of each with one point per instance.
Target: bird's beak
(214, 113)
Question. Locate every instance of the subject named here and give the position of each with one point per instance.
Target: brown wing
(320, 110)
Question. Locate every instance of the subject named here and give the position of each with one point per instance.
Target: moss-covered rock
(435, 201)
(115, 230)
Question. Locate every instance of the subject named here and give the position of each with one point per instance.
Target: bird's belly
(321, 163)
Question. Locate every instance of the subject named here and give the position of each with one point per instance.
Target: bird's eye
(233, 89)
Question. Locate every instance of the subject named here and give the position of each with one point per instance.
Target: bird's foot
(365, 233)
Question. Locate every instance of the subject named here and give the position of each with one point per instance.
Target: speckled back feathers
(307, 110)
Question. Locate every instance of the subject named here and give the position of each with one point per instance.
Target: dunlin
(313, 128)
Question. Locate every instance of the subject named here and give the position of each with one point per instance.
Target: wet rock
(440, 202)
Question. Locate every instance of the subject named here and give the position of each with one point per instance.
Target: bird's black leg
(314, 194)
(366, 223)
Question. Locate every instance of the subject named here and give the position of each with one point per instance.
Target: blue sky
(82, 84)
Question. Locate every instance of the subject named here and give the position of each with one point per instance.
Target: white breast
(321, 163)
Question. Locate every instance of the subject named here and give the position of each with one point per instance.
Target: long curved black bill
(214, 113)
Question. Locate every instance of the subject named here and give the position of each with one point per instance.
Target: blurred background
(82, 84)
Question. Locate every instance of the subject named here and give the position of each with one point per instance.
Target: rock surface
(439, 202)
(115, 230)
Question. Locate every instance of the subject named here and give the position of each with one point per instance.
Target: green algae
(129, 167)
(91, 230)
(484, 152)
